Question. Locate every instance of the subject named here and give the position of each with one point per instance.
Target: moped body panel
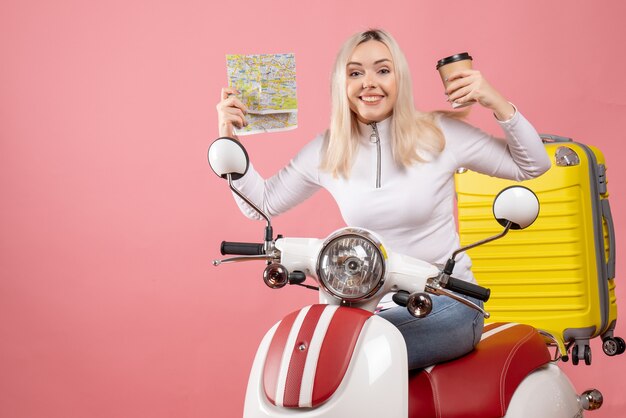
(374, 383)
(545, 393)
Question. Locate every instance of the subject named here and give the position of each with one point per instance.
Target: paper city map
(267, 83)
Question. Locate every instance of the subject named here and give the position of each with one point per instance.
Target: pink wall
(110, 215)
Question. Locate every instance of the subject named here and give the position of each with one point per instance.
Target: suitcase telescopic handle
(546, 138)
(610, 264)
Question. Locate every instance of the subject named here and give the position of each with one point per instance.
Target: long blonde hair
(414, 134)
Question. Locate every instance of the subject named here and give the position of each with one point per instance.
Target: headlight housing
(351, 264)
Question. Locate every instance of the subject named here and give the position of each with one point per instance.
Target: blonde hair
(414, 134)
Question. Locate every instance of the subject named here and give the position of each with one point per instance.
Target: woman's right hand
(230, 112)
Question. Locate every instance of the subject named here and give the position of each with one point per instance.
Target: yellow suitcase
(557, 275)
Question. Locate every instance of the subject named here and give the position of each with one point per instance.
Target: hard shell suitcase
(559, 274)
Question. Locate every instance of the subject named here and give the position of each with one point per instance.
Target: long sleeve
(413, 209)
(287, 188)
(520, 156)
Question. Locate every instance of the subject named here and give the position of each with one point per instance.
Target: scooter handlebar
(241, 248)
(468, 289)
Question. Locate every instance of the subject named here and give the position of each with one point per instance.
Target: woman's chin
(370, 117)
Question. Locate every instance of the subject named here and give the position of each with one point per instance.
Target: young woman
(390, 168)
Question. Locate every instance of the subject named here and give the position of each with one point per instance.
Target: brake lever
(242, 258)
(433, 287)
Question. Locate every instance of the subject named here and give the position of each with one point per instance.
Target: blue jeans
(451, 330)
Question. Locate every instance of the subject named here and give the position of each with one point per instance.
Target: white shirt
(413, 210)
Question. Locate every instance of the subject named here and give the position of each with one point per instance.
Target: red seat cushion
(481, 383)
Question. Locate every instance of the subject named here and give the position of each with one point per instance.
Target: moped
(339, 359)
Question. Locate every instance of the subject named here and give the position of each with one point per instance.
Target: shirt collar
(383, 127)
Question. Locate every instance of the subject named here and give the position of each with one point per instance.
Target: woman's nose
(368, 82)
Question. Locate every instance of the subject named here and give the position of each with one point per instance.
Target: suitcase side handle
(606, 214)
(548, 138)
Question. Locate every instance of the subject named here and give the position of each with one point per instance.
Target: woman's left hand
(470, 85)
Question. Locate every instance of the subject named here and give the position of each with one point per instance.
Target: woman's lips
(371, 99)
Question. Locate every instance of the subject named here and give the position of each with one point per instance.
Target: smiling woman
(390, 169)
(371, 82)
(415, 134)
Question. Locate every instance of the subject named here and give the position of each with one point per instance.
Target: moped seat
(481, 383)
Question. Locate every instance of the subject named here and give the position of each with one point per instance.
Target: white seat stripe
(497, 329)
(287, 352)
(310, 367)
(429, 368)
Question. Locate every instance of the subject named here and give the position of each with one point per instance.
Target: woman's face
(371, 82)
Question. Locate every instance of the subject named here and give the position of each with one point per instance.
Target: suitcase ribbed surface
(551, 274)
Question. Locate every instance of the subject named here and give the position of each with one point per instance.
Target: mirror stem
(450, 264)
(268, 228)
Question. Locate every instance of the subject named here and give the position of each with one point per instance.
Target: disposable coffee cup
(449, 65)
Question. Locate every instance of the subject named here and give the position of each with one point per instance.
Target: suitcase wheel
(575, 355)
(613, 346)
(586, 355)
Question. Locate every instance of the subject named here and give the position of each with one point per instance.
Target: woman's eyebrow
(375, 62)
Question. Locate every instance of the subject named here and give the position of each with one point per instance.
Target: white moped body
(376, 384)
(337, 359)
(378, 366)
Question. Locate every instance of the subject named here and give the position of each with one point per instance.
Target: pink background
(109, 306)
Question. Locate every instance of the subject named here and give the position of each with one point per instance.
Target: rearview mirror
(227, 156)
(518, 205)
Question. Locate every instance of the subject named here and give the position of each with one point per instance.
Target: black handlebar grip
(468, 289)
(241, 248)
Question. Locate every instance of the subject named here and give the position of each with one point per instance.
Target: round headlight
(351, 264)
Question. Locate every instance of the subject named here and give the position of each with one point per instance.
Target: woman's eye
(354, 73)
(384, 71)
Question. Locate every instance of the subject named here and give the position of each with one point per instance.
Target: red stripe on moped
(333, 352)
(274, 357)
